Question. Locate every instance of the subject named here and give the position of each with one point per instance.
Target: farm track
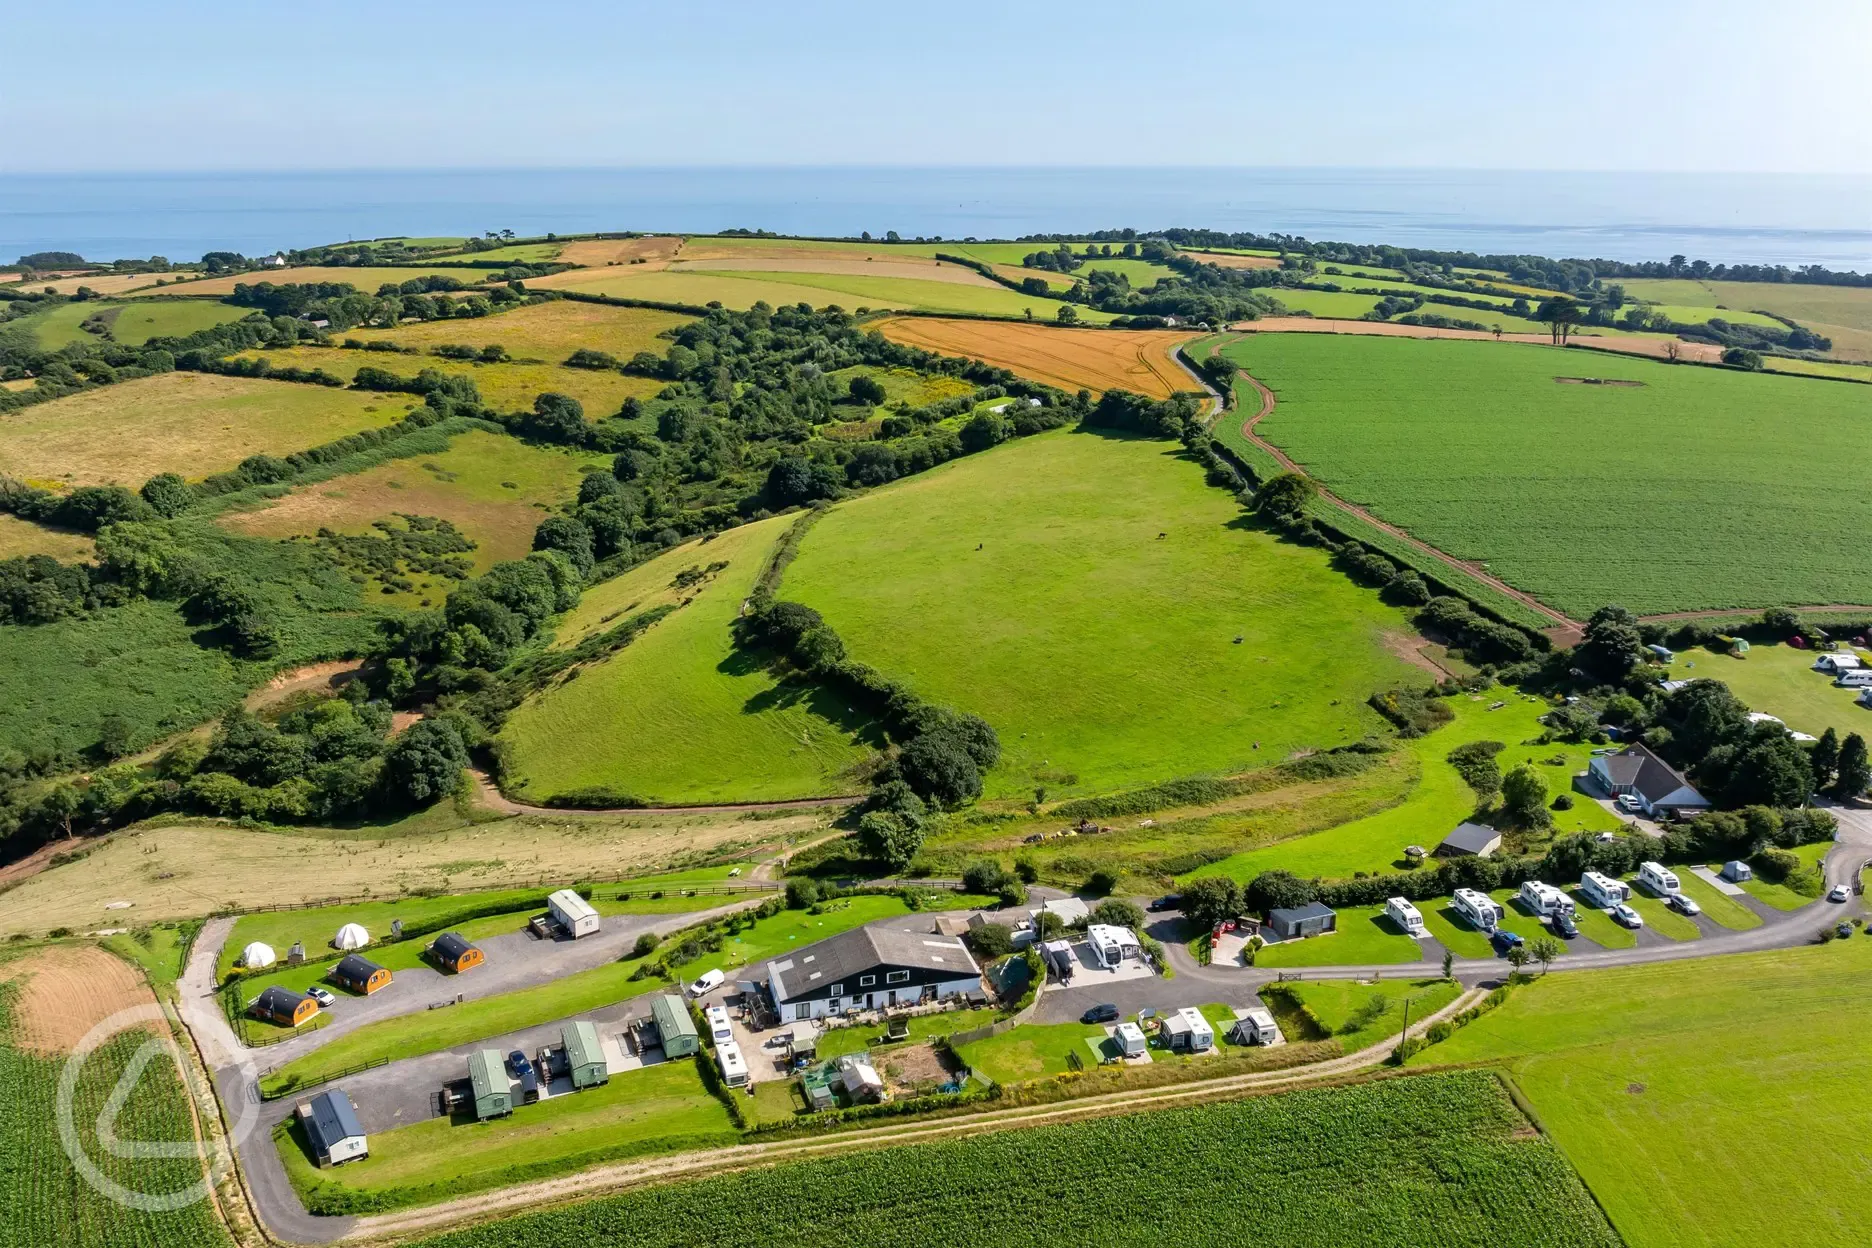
(1565, 632)
(388, 1228)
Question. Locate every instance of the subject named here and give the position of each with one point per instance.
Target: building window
(897, 977)
(838, 990)
(865, 981)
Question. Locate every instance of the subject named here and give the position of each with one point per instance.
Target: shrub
(802, 893)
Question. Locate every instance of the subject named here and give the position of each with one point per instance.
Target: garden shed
(676, 1030)
(585, 1059)
(359, 974)
(1470, 840)
(489, 1087)
(453, 952)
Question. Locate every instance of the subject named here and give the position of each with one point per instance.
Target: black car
(518, 1061)
(1106, 1013)
(1169, 901)
(1563, 925)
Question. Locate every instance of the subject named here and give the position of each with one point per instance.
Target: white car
(1840, 893)
(1630, 802)
(320, 995)
(707, 983)
(1628, 916)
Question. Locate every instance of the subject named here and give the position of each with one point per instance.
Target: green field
(744, 288)
(1360, 1015)
(1780, 680)
(1433, 1161)
(1779, 895)
(1337, 305)
(1364, 937)
(1476, 448)
(659, 1109)
(139, 322)
(680, 716)
(1104, 609)
(1717, 1101)
(1439, 801)
(59, 326)
(1842, 313)
(415, 1034)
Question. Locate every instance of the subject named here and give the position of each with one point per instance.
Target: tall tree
(1825, 759)
(1855, 770)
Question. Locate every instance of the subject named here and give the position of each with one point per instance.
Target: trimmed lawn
(1780, 896)
(1364, 938)
(1030, 1051)
(680, 715)
(1780, 680)
(1718, 905)
(415, 1034)
(1361, 1015)
(842, 1040)
(1105, 609)
(658, 1109)
(1659, 917)
(1454, 931)
(1712, 1101)
(1598, 926)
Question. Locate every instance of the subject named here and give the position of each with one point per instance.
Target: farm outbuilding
(360, 975)
(258, 954)
(488, 1085)
(351, 936)
(332, 1129)
(285, 1007)
(676, 1030)
(1470, 840)
(573, 914)
(585, 1059)
(1294, 922)
(453, 952)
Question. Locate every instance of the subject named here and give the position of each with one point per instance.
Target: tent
(351, 936)
(258, 955)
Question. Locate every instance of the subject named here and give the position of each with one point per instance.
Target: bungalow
(870, 968)
(285, 1007)
(1294, 922)
(1661, 789)
(332, 1129)
(359, 974)
(1470, 840)
(452, 952)
(1112, 945)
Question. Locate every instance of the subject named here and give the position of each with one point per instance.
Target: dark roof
(332, 1120)
(354, 967)
(842, 958)
(278, 1000)
(1296, 914)
(1655, 778)
(1472, 838)
(451, 945)
(1621, 768)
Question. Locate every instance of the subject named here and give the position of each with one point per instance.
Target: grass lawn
(191, 423)
(1718, 905)
(1456, 441)
(1598, 926)
(1439, 801)
(1361, 1015)
(1030, 1051)
(1780, 680)
(1714, 1101)
(415, 1034)
(1002, 584)
(1659, 917)
(680, 716)
(139, 322)
(1454, 931)
(1780, 896)
(1364, 937)
(658, 1109)
(842, 1040)
(158, 949)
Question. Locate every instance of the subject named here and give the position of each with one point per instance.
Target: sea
(1723, 218)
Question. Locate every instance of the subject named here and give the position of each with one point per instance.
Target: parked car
(1840, 893)
(517, 1061)
(1503, 940)
(1682, 904)
(1629, 802)
(1628, 916)
(1105, 1013)
(322, 996)
(1169, 901)
(706, 983)
(1564, 926)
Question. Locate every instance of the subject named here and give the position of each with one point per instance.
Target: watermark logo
(157, 1045)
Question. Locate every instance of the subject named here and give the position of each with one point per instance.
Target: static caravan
(1544, 899)
(1480, 909)
(734, 1067)
(585, 1059)
(331, 1127)
(573, 913)
(1400, 911)
(1603, 890)
(489, 1086)
(676, 1031)
(1658, 878)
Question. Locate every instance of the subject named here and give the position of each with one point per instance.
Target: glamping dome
(257, 955)
(351, 936)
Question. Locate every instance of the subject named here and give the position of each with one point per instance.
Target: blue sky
(1637, 85)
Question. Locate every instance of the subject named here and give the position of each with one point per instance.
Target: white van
(1603, 890)
(734, 1071)
(719, 1030)
(1658, 878)
(1400, 911)
(1855, 678)
(1545, 900)
(708, 982)
(1480, 909)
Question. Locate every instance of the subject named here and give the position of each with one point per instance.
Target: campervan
(1479, 908)
(1658, 878)
(1400, 911)
(1545, 900)
(1603, 890)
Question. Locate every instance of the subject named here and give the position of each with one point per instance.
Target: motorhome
(1479, 908)
(1603, 890)
(1658, 878)
(1544, 899)
(1406, 916)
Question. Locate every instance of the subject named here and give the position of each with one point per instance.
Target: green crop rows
(1430, 1160)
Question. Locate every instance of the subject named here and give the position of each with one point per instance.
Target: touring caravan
(1658, 878)
(1401, 912)
(1854, 678)
(1544, 899)
(1479, 908)
(1603, 890)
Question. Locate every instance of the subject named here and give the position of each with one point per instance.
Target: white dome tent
(258, 955)
(351, 936)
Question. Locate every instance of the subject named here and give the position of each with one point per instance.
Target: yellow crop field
(503, 387)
